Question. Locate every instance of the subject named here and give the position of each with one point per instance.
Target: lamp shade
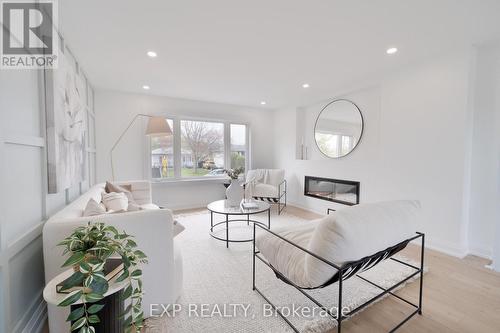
(158, 126)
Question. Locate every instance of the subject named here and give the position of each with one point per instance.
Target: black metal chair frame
(281, 195)
(346, 271)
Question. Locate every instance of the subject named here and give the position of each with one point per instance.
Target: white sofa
(153, 231)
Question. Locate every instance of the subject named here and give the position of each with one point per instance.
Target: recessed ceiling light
(391, 50)
(152, 54)
(263, 103)
(305, 85)
(146, 87)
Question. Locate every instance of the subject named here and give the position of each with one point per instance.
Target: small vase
(234, 193)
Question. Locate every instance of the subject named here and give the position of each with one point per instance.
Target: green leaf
(112, 229)
(84, 329)
(127, 292)
(79, 323)
(99, 285)
(76, 279)
(126, 261)
(127, 321)
(140, 254)
(88, 281)
(94, 319)
(93, 297)
(74, 259)
(123, 276)
(72, 298)
(75, 314)
(95, 308)
(131, 243)
(85, 268)
(136, 274)
(97, 267)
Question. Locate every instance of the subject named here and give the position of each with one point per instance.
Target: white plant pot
(234, 193)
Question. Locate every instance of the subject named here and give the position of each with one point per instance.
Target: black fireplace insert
(337, 190)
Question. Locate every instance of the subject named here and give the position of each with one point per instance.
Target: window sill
(214, 180)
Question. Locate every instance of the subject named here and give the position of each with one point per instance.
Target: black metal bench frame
(346, 271)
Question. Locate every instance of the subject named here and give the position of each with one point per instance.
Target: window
(238, 146)
(202, 148)
(162, 155)
(198, 149)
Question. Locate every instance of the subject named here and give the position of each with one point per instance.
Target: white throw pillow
(115, 201)
(94, 208)
(178, 228)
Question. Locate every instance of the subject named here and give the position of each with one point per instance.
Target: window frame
(177, 146)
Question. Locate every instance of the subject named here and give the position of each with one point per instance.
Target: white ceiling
(243, 52)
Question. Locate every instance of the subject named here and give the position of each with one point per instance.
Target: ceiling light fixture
(305, 85)
(146, 87)
(263, 103)
(391, 50)
(152, 54)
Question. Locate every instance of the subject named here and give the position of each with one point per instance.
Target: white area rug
(218, 296)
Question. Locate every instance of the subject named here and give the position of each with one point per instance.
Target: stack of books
(249, 205)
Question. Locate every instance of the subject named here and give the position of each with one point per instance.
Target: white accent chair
(153, 231)
(267, 185)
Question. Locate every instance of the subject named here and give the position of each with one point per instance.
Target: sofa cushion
(115, 201)
(356, 232)
(123, 188)
(94, 208)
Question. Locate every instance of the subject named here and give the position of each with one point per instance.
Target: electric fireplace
(337, 190)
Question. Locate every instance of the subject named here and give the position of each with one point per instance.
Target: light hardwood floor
(460, 295)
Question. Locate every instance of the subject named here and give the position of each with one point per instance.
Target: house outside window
(199, 149)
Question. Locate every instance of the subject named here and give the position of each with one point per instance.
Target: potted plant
(89, 247)
(234, 191)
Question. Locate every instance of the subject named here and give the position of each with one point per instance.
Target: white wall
(116, 110)
(24, 202)
(416, 128)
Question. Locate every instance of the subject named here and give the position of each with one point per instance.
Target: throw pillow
(94, 208)
(115, 201)
(178, 228)
(127, 189)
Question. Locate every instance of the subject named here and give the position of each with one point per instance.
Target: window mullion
(177, 148)
(227, 145)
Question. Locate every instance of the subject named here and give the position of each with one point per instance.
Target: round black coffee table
(223, 208)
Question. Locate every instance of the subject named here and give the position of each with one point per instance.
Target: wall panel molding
(31, 141)
(35, 316)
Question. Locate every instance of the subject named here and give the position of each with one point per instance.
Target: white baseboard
(481, 252)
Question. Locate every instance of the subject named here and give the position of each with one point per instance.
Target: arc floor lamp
(156, 126)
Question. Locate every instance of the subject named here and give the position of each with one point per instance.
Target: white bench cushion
(284, 257)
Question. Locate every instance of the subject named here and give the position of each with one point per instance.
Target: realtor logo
(29, 35)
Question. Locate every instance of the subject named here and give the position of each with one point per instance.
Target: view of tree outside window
(202, 148)
(162, 155)
(238, 146)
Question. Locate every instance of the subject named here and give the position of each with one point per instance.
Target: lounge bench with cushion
(341, 245)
